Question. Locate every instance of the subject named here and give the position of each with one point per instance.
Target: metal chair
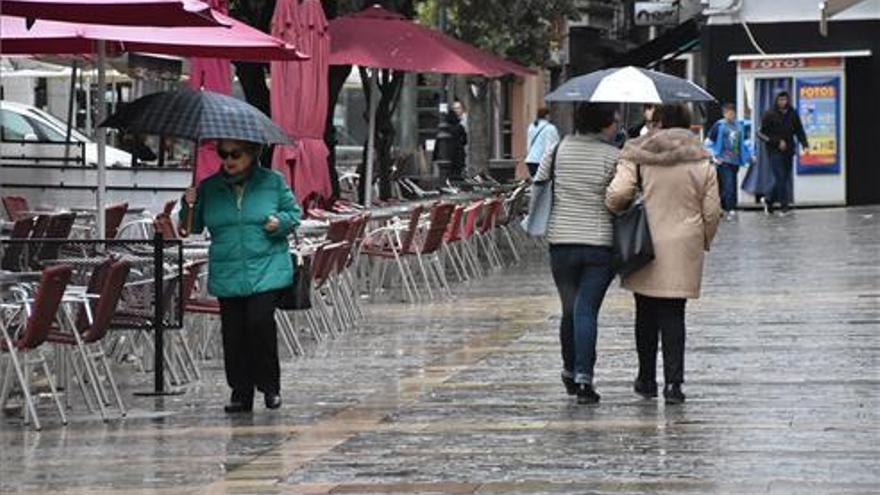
(36, 319)
(86, 333)
(386, 244)
(15, 206)
(15, 254)
(113, 219)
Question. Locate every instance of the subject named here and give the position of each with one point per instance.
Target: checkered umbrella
(197, 115)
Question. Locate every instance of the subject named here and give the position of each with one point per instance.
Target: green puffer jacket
(244, 258)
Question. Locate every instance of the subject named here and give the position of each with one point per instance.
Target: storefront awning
(681, 39)
(788, 56)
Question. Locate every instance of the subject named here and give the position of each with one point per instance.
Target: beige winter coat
(682, 204)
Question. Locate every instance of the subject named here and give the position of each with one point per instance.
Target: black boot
(273, 401)
(570, 385)
(586, 394)
(648, 390)
(240, 403)
(673, 394)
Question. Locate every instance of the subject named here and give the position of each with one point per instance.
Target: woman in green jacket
(249, 212)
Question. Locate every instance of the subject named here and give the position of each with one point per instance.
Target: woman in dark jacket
(249, 212)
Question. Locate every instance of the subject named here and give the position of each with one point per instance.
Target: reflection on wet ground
(783, 371)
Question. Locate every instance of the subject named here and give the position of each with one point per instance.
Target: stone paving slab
(783, 383)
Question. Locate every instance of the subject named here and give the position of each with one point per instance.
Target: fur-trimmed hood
(665, 147)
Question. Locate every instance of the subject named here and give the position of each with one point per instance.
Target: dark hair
(543, 112)
(673, 115)
(593, 117)
(782, 94)
(728, 106)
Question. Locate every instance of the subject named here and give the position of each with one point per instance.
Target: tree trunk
(390, 84)
(336, 81)
(479, 140)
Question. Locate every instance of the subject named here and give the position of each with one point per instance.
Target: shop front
(817, 85)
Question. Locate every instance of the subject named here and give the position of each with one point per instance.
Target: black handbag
(299, 295)
(633, 246)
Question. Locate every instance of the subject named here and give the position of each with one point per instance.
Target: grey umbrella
(197, 115)
(629, 85)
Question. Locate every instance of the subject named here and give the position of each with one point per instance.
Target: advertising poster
(819, 108)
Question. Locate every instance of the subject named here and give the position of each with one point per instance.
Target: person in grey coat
(580, 234)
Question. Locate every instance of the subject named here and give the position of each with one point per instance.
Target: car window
(45, 132)
(56, 123)
(14, 127)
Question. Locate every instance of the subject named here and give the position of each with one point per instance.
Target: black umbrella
(197, 115)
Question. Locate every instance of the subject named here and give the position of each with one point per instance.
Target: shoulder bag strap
(537, 135)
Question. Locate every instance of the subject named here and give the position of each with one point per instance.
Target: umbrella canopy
(237, 42)
(302, 86)
(197, 115)
(159, 13)
(629, 85)
(379, 38)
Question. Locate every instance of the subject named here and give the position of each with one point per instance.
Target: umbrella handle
(185, 231)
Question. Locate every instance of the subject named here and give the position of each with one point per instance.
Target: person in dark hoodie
(779, 126)
(679, 188)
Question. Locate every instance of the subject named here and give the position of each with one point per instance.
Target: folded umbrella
(629, 85)
(197, 115)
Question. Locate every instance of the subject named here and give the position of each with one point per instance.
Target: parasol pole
(185, 230)
(371, 142)
(101, 134)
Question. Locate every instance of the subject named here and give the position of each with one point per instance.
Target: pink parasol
(381, 39)
(375, 37)
(159, 13)
(212, 74)
(299, 98)
(238, 42)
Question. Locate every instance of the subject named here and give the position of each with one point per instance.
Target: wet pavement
(783, 384)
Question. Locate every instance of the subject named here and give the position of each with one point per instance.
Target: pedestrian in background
(542, 135)
(779, 127)
(680, 193)
(644, 127)
(726, 141)
(249, 212)
(580, 233)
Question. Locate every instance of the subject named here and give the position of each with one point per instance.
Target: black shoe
(648, 390)
(673, 394)
(235, 407)
(273, 401)
(570, 385)
(586, 394)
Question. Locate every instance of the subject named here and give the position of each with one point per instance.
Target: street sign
(655, 14)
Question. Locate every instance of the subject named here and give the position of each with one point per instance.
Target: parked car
(19, 122)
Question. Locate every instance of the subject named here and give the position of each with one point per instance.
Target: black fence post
(159, 312)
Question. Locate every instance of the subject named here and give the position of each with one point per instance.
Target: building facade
(752, 49)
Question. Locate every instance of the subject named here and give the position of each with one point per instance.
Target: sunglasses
(234, 154)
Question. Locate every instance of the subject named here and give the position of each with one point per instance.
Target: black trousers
(250, 344)
(656, 317)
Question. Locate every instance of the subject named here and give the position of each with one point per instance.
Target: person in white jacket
(542, 136)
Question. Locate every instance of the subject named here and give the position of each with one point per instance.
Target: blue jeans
(727, 185)
(780, 165)
(582, 274)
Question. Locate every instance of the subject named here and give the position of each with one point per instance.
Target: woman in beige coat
(680, 193)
